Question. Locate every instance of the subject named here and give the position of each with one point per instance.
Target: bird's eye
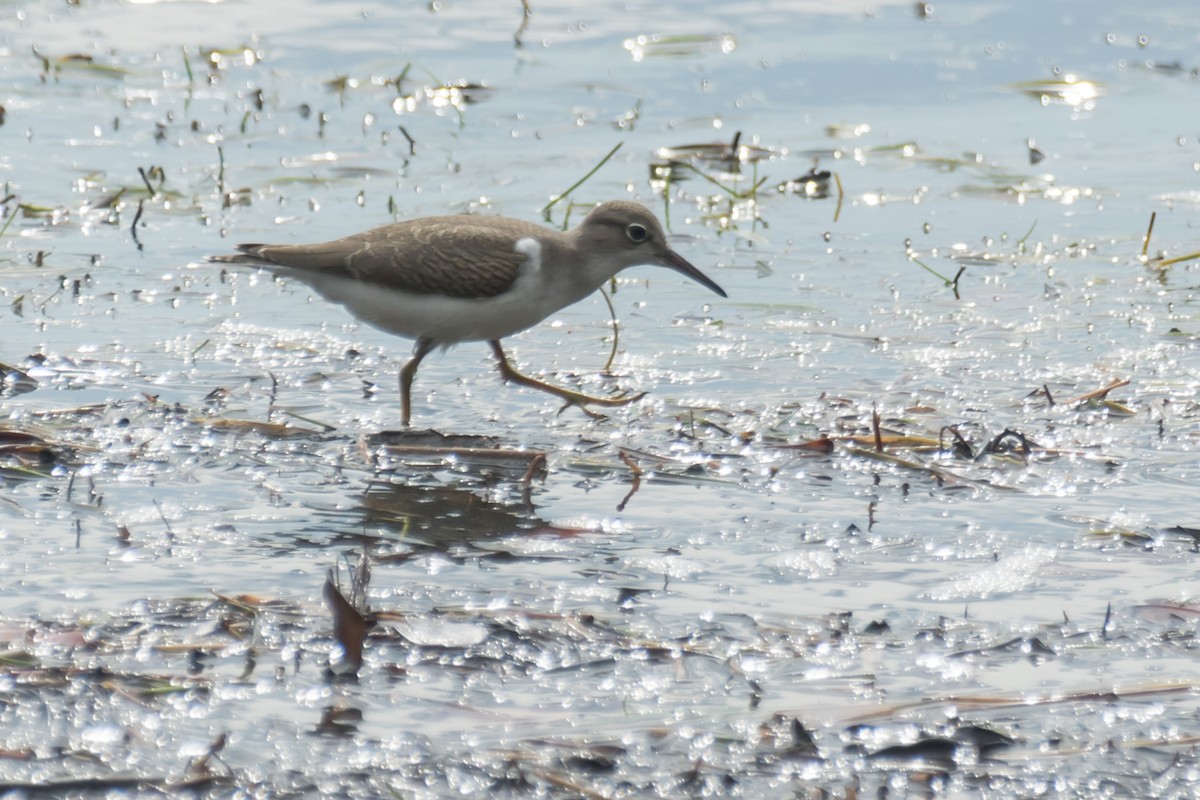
(636, 233)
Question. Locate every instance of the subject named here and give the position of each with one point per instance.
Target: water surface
(161, 566)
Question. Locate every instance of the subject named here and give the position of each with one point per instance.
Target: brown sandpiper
(450, 279)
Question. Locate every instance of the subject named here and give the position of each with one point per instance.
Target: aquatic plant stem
(563, 195)
(837, 211)
(616, 327)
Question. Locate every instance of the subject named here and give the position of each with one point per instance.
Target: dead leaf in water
(274, 430)
(1070, 89)
(349, 628)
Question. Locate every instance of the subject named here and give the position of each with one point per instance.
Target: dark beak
(680, 264)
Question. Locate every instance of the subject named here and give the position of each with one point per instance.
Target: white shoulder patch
(532, 249)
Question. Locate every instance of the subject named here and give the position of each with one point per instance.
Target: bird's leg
(407, 373)
(509, 373)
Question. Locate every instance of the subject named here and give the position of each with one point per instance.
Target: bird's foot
(570, 396)
(583, 401)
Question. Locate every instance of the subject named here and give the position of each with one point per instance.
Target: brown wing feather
(460, 256)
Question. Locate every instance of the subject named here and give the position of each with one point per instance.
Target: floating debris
(813, 184)
(430, 448)
(730, 155)
(1070, 90)
(456, 96)
(680, 46)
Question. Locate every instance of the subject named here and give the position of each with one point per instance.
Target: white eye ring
(637, 233)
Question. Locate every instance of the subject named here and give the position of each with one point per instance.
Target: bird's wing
(460, 256)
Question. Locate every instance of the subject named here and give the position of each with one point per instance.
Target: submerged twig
(1159, 263)
(999, 443)
(537, 462)
(8, 220)
(412, 143)
(325, 427)
(962, 448)
(161, 515)
(1097, 394)
(951, 283)
(1166, 262)
(136, 219)
(526, 15)
(636, 482)
(1149, 230)
(1028, 233)
(1026, 700)
(187, 66)
(360, 578)
(612, 311)
(150, 190)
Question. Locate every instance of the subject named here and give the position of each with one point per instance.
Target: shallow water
(161, 566)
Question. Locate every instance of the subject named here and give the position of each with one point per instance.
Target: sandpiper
(444, 280)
